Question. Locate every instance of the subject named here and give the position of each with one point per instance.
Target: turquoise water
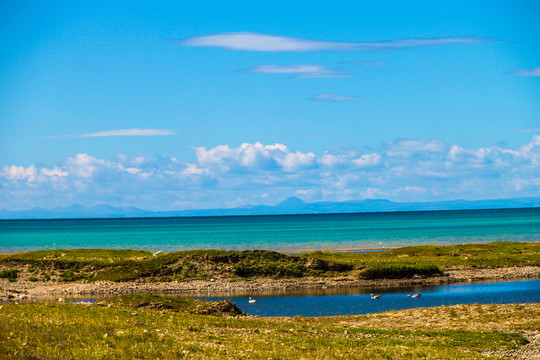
(288, 232)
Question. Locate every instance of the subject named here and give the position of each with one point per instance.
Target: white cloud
(367, 160)
(332, 97)
(303, 71)
(404, 170)
(14, 172)
(130, 132)
(270, 43)
(526, 72)
(55, 172)
(85, 166)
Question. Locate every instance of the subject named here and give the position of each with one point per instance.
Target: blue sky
(177, 105)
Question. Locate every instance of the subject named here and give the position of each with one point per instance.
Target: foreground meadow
(120, 330)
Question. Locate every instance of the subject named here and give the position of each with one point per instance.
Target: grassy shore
(136, 329)
(92, 265)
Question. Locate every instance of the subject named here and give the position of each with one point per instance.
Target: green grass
(127, 330)
(496, 254)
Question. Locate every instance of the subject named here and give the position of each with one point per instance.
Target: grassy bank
(128, 330)
(89, 265)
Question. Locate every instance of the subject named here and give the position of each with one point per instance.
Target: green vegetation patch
(11, 274)
(400, 271)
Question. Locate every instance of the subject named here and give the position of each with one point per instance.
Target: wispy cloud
(332, 97)
(127, 132)
(270, 43)
(368, 63)
(303, 71)
(526, 72)
(529, 130)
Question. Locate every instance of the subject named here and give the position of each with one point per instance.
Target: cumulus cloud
(304, 71)
(526, 72)
(248, 41)
(332, 97)
(130, 132)
(253, 158)
(223, 176)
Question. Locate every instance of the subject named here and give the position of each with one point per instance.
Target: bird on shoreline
(252, 301)
(414, 295)
(375, 296)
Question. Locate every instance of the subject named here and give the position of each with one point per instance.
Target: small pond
(355, 301)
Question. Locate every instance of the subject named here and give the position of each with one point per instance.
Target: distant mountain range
(292, 205)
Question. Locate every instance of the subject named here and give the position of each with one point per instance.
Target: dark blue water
(284, 232)
(527, 291)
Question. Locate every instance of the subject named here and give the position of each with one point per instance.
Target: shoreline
(28, 291)
(281, 251)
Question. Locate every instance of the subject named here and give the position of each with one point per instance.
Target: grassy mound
(174, 303)
(127, 265)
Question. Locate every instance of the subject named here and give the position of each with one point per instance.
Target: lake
(282, 232)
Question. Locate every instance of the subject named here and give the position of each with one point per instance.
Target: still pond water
(356, 301)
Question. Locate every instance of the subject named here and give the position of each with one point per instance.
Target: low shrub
(271, 270)
(34, 279)
(400, 271)
(70, 276)
(11, 274)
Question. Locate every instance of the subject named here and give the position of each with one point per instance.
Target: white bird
(252, 301)
(376, 296)
(414, 296)
(157, 252)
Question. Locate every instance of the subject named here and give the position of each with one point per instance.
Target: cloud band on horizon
(225, 176)
(248, 41)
